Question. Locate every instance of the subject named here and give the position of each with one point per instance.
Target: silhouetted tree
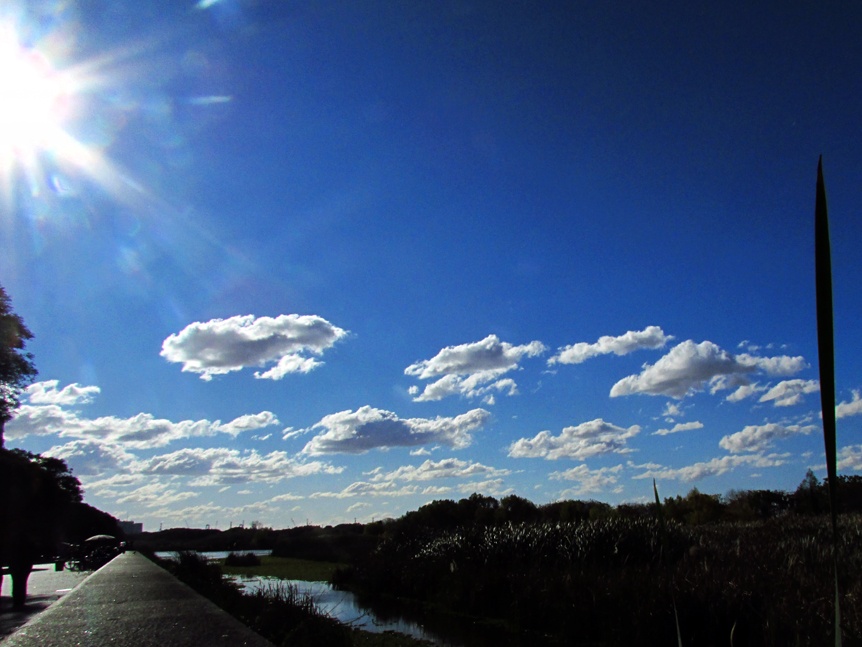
(516, 509)
(83, 521)
(696, 508)
(752, 505)
(36, 496)
(810, 497)
(16, 365)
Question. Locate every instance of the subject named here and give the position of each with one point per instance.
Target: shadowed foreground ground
(45, 587)
(131, 601)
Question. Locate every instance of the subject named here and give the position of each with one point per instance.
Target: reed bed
(611, 581)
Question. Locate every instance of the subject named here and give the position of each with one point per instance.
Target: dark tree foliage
(517, 509)
(36, 496)
(16, 364)
(811, 497)
(696, 508)
(752, 505)
(83, 521)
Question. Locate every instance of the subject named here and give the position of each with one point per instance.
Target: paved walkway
(45, 587)
(132, 601)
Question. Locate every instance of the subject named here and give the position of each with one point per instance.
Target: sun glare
(33, 99)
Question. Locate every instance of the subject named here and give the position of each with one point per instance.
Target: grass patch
(287, 568)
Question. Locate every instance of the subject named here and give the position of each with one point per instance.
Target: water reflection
(344, 607)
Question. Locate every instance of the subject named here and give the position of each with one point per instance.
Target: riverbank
(279, 613)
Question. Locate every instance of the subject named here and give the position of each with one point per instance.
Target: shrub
(242, 559)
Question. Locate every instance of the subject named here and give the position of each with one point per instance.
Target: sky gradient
(298, 262)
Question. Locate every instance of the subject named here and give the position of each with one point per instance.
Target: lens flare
(33, 100)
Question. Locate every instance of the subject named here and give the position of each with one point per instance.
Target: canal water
(344, 607)
(212, 554)
(440, 629)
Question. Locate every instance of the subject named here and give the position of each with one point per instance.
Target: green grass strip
(286, 568)
(826, 355)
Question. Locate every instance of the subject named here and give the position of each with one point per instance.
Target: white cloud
(852, 408)
(579, 442)
(790, 392)
(779, 366)
(671, 411)
(206, 513)
(364, 488)
(683, 426)
(47, 393)
(445, 468)
(589, 481)
(649, 337)
(491, 487)
(249, 422)
(222, 466)
(713, 467)
(285, 497)
(141, 431)
(91, 458)
(156, 494)
(221, 346)
(756, 438)
(472, 370)
(689, 367)
(41, 420)
(850, 458)
(108, 486)
(745, 391)
(367, 428)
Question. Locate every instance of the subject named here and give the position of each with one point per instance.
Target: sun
(34, 98)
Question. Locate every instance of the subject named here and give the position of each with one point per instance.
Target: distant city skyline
(325, 262)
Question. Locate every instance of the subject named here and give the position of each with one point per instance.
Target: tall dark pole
(826, 356)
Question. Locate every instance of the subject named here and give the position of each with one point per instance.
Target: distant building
(131, 528)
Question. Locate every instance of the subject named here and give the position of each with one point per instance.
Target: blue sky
(290, 261)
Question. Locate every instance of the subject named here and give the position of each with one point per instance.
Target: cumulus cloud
(41, 420)
(590, 481)
(850, 458)
(249, 422)
(745, 391)
(756, 438)
(852, 408)
(47, 393)
(490, 487)
(649, 337)
(713, 467)
(367, 428)
(141, 431)
(219, 346)
(682, 426)
(92, 458)
(222, 466)
(790, 392)
(671, 411)
(156, 494)
(364, 488)
(446, 468)
(472, 370)
(689, 367)
(779, 366)
(579, 442)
